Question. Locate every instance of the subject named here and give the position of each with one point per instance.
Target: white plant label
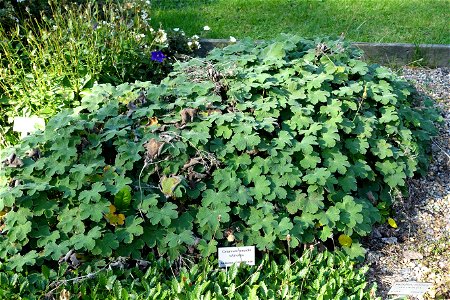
(231, 255)
(26, 125)
(411, 288)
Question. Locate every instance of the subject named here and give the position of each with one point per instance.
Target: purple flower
(158, 56)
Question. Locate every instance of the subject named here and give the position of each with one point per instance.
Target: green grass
(400, 21)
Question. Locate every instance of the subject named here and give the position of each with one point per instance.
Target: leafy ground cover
(278, 145)
(398, 21)
(322, 275)
(281, 145)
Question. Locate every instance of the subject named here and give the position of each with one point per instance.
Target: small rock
(412, 255)
(376, 233)
(390, 240)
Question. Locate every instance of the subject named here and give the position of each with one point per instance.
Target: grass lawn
(401, 21)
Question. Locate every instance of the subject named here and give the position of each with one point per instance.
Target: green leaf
(106, 245)
(356, 146)
(297, 204)
(213, 217)
(350, 212)
(348, 183)
(318, 176)
(310, 161)
(382, 149)
(274, 51)
(336, 161)
(131, 229)
(315, 97)
(207, 248)
(122, 199)
(284, 226)
(17, 224)
(86, 241)
(261, 189)
(17, 262)
(94, 211)
(92, 195)
(306, 144)
(163, 215)
(356, 251)
(330, 136)
(330, 217)
(326, 233)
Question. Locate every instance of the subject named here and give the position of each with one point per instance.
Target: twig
(246, 280)
(307, 271)
(140, 187)
(442, 149)
(58, 283)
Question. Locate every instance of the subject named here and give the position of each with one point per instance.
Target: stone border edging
(431, 55)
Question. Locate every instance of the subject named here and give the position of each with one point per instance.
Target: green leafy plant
(290, 138)
(46, 64)
(323, 275)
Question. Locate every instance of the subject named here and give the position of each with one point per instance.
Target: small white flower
(176, 29)
(195, 37)
(206, 28)
(140, 36)
(190, 44)
(152, 30)
(232, 39)
(161, 36)
(55, 27)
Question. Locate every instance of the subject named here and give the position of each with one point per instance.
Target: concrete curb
(431, 55)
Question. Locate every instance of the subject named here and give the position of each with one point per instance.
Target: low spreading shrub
(45, 64)
(313, 275)
(272, 144)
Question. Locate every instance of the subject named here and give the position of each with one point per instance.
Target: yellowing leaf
(392, 223)
(153, 121)
(169, 184)
(345, 240)
(113, 218)
(2, 214)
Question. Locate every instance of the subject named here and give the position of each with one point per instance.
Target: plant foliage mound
(269, 144)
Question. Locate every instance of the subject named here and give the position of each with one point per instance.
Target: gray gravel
(419, 249)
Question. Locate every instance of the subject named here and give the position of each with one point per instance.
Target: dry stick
(288, 239)
(442, 149)
(58, 283)
(146, 164)
(306, 275)
(246, 280)
(140, 187)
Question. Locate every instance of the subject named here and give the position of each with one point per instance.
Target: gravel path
(419, 249)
